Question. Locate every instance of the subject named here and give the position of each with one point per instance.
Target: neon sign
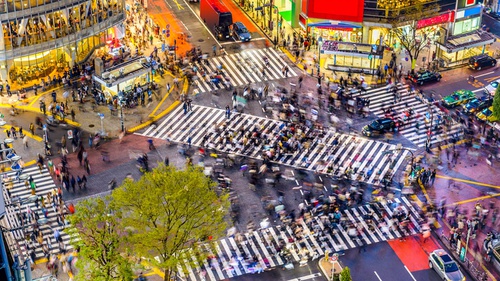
(448, 17)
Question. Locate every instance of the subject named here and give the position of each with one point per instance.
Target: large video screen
(341, 10)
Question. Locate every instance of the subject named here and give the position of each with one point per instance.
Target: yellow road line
(429, 201)
(156, 270)
(35, 137)
(178, 5)
(167, 94)
(490, 79)
(473, 200)
(468, 181)
(149, 122)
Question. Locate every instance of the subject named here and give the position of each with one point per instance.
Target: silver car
(445, 266)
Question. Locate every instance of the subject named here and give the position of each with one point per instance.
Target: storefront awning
(465, 41)
(334, 25)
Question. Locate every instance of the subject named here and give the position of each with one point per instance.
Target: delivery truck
(217, 17)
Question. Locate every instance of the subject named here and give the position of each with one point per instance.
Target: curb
(26, 132)
(36, 110)
(323, 270)
(185, 88)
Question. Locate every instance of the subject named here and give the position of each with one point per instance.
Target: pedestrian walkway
(30, 217)
(281, 246)
(415, 124)
(241, 68)
(333, 153)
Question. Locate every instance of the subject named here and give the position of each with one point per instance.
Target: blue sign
(374, 47)
(100, 115)
(472, 11)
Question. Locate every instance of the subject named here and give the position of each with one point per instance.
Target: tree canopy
(496, 103)
(168, 212)
(96, 232)
(405, 28)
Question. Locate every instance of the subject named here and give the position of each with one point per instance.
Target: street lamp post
(320, 43)
(268, 24)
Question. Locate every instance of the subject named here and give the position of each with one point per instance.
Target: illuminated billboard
(465, 3)
(341, 10)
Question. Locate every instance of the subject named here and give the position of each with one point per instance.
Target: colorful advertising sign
(465, 3)
(339, 10)
(448, 17)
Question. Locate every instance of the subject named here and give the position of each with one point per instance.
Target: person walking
(32, 129)
(228, 112)
(25, 142)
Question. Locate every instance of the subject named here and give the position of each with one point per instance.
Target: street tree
(345, 274)
(496, 103)
(95, 231)
(404, 25)
(172, 215)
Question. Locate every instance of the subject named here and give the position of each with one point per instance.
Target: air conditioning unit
(106, 75)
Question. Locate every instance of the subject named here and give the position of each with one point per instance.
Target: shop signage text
(448, 17)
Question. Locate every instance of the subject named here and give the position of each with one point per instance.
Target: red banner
(338, 10)
(448, 17)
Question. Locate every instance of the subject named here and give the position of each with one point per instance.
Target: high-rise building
(43, 37)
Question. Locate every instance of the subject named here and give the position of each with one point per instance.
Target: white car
(492, 87)
(445, 266)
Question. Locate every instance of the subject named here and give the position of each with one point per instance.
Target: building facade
(44, 37)
(453, 33)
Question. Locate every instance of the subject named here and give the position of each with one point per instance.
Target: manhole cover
(91, 126)
(201, 40)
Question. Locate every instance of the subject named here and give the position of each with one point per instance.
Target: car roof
(239, 24)
(443, 255)
(481, 56)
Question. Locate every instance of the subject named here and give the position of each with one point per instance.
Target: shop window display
(57, 24)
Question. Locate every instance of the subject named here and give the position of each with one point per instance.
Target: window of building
(465, 26)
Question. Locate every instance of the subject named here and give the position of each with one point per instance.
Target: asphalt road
(309, 272)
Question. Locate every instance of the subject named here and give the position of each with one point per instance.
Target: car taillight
(475, 64)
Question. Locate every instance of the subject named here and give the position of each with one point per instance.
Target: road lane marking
(478, 90)
(490, 79)
(412, 277)
(203, 23)
(376, 274)
(468, 181)
(484, 74)
(473, 199)
(310, 276)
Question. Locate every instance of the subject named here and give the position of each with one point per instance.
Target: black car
(477, 105)
(422, 77)
(480, 61)
(379, 126)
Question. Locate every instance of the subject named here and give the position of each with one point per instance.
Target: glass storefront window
(465, 26)
(57, 24)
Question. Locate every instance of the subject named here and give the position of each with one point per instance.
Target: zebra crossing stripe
(350, 151)
(313, 240)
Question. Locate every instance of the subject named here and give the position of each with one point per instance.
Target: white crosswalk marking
(365, 157)
(242, 68)
(242, 253)
(381, 99)
(15, 190)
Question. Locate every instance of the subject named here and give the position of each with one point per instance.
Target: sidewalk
(329, 268)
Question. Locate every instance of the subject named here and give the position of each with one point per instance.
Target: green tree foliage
(345, 275)
(96, 231)
(405, 28)
(496, 103)
(170, 214)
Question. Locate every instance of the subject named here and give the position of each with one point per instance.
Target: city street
(304, 180)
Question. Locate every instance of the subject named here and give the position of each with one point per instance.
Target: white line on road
(201, 21)
(478, 90)
(484, 74)
(410, 274)
(377, 276)
(311, 276)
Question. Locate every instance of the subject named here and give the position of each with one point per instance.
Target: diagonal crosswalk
(381, 99)
(366, 160)
(238, 255)
(242, 68)
(18, 218)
